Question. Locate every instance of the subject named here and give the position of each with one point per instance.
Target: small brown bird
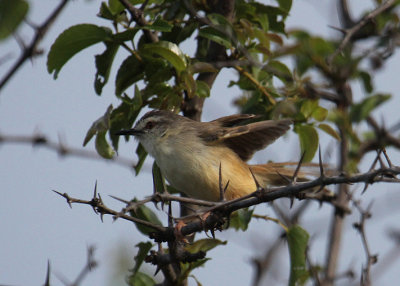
(190, 153)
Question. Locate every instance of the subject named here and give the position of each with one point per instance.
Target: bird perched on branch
(193, 156)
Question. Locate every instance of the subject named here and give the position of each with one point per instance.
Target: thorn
(255, 180)
(65, 196)
(221, 189)
(212, 233)
(296, 172)
(157, 270)
(119, 199)
(381, 162)
(320, 189)
(206, 233)
(338, 29)
(95, 190)
(226, 187)
(321, 167)
(47, 282)
(100, 199)
(283, 177)
(365, 188)
(291, 201)
(387, 158)
(170, 219)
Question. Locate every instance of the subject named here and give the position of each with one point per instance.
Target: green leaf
(189, 83)
(216, 36)
(141, 279)
(361, 110)
(240, 219)
(170, 52)
(72, 41)
(157, 70)
(205, 245)
(179, 34)
(105, 12)
(144, 248)
(144, 213)
(186, 268)
(126, 35)
(115, 6)
(130, 71)
(202, 89)
(366, 80)
(319, 113)
(12, 13)
(102, 147)
(142, 154)
(103, 66)
(308, 107)
(158, 179)
(285, 5)
(159, 25)
(100, 125)
(200, 67)
(297, 239)
(308, 138)
(329, 130)
(137, 101)
(279, 70)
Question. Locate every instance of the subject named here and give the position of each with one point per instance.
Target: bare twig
(349, 33)
(100, 208)
(138, 17)
(61, 148)
(371, 259)
(272, 194)
(91, 263)
(31, 50)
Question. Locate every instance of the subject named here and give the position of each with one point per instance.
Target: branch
(193, 107)
(91, 263)
(371, 259)
(137, 16)
(31, 50)
(224, 209)
(100, 208)
(349, 33)
(61, 148)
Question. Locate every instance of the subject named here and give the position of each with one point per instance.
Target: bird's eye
(150, 125)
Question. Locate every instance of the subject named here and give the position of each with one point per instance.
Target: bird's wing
(246, 139)
(235, 119)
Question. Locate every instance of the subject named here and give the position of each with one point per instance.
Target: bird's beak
(132, 131)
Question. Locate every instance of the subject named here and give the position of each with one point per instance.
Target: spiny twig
(100, 208)
(61, 148)
(349, 33)
(31, 50)
(226, 208)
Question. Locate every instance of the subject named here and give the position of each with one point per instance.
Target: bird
(197, 158)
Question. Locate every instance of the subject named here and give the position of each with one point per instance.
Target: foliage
(159, 73)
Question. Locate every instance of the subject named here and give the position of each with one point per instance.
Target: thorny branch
(350, 32)
(138, 17)
(219, 210)
(371, 259)
(100, 208)
(32, 49)
(91, 263)
(61, 148)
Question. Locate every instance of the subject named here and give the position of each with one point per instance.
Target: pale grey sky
(37, 225)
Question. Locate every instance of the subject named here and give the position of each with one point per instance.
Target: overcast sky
(36, 225)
